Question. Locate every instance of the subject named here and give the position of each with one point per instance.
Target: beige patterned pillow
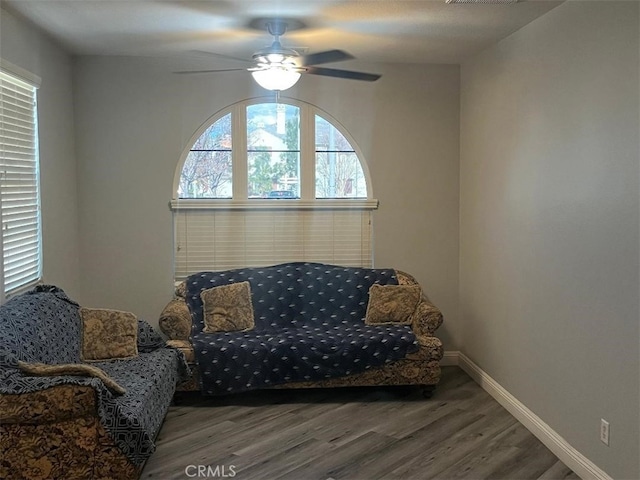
(392, 304)
(43, 370)
(228, 308)
(108, 334)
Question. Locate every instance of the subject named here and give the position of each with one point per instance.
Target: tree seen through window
(273, 150)
(207, 171)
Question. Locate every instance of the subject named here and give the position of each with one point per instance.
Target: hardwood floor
(355, 433)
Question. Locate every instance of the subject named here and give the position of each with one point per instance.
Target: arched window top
(263, 150)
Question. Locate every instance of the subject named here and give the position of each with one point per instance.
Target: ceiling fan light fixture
(275, 58)
(277, 78)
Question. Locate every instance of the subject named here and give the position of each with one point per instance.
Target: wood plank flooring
(350, 434)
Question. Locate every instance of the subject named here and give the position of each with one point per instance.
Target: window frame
(240, 189)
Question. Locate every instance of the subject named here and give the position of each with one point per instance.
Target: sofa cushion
(228, 308)
(108, 334)
(150, 380)
(392, 304)
(238, 361)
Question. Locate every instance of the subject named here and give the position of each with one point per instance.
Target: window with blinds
(226, 239)
(264, 183)
(21, 264)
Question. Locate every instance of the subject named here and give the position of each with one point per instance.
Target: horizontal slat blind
(226, 239)
(19, 197)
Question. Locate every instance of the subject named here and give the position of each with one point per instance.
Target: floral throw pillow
(108, 334)
(228, 308)
(392, 304)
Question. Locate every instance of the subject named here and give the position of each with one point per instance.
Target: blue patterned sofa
(310, 329)
(77, 427)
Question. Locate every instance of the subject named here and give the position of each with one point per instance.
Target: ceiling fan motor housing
(275, 54)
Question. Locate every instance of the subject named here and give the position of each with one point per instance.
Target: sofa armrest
(426, 319)
(185, 347)
(54, 404)
(175, 320)
(430, 349)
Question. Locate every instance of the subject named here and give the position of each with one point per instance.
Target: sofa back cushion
(333, 294)
(294, 294)
(41, 325)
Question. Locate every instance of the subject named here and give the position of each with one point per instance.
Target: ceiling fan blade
(323, 57)
(203, 53)
(332, 72)
(187, 72)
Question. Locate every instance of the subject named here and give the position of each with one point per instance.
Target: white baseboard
(450, 359)
(571, 457)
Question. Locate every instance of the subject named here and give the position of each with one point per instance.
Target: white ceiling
(407, 31)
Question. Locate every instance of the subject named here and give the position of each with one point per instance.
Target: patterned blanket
(43, 326)
(309, 326)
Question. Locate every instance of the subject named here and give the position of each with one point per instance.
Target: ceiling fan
(279, 68)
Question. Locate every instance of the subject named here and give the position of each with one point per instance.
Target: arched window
(206, 172)
(266, 182)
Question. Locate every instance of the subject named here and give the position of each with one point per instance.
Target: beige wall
(134, 118)
(24, 46)
(549, 220)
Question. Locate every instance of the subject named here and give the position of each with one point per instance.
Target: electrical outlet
(604, 431)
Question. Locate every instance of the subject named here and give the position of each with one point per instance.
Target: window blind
(226, 239)
(19, 185)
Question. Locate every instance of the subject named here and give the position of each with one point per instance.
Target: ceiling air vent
(482, 1)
